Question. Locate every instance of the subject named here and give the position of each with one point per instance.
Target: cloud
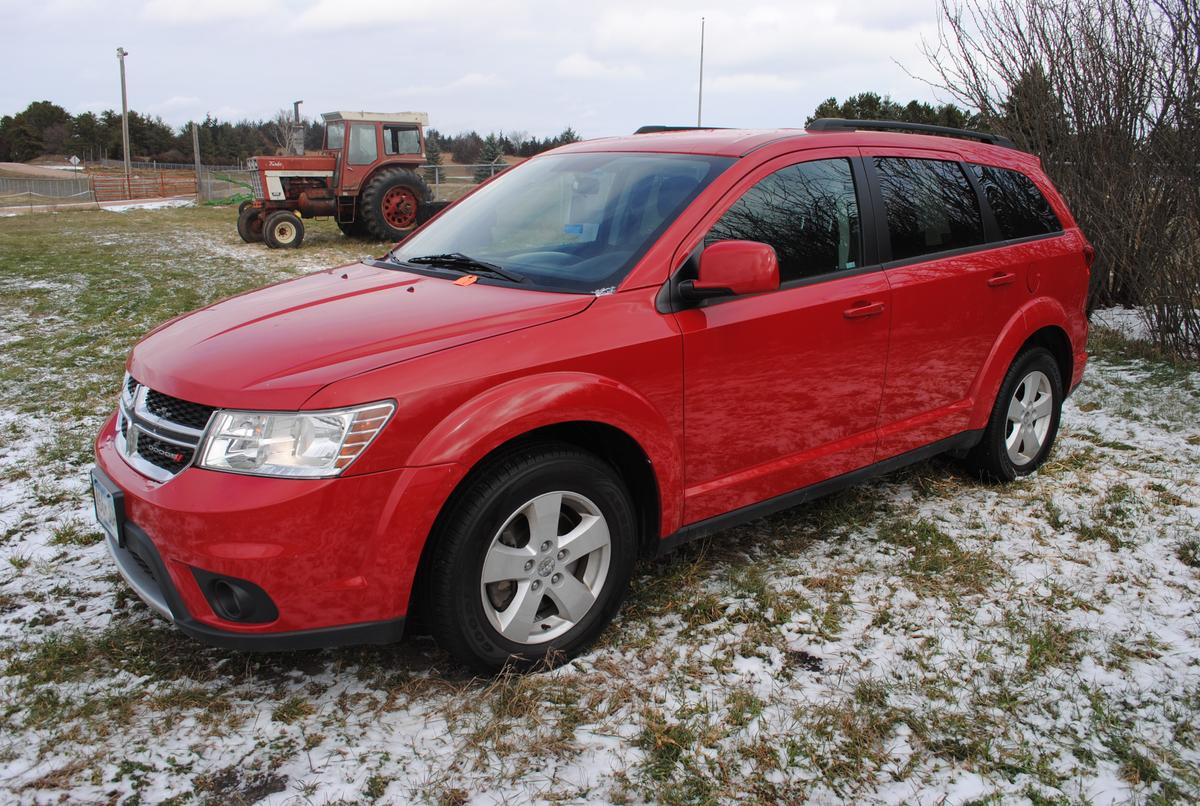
(341, 15)
(580, 65)
(191, 12)
(469, 81)
(752, 82)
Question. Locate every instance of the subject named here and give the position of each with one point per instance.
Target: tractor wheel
(390, 203)
(283, 230)
(250, 224)
(242, 207)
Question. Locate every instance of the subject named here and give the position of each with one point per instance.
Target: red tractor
(364, 176)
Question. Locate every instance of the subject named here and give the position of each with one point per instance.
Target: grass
(1036, 641)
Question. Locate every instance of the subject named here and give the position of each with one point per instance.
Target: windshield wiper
(468, 265)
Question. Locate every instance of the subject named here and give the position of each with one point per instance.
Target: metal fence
(216, 183)
(22, 192)
(166, 166)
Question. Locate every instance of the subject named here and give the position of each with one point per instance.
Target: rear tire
(250, 224)
(283, 230)
(504, 585)
(353, 229)
(390, 203)
(1024, 420)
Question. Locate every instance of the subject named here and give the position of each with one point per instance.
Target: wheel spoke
(572, 597)
(1015, 410)
(543, 513)
(1042, 406)
(506, 562)
(1030, 388)
(516, 620)
(1029, 443)
(591, 534)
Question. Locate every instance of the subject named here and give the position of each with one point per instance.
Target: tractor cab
(365, 176)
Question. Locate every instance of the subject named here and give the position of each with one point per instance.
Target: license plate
(106, 508)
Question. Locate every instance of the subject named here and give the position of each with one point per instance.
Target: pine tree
(433, 149)
(492, 154)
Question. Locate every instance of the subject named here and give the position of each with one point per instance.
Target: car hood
(274, 347)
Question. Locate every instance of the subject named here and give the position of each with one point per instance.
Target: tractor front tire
(250, 225)
(283, 230)
(390, 203)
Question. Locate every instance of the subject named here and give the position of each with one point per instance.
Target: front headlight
(312, 444)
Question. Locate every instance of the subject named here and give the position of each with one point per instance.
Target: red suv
(609, 350)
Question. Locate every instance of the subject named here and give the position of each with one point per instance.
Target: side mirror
(732, 268)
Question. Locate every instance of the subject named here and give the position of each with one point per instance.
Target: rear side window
(400, 140)
(1020, 208)
(807, 212)
(930, 206)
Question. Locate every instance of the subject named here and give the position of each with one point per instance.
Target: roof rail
(655, 128)
(841, 124)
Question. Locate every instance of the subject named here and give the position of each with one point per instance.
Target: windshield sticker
(466, 279)
(604, 292)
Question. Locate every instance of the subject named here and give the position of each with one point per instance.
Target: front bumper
(336, 557)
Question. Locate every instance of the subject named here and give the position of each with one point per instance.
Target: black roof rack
(653, 129)
(841, 124)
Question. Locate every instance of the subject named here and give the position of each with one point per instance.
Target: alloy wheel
(545, 567)
(1029, 414)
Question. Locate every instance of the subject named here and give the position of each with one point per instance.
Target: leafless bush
(1107, 93)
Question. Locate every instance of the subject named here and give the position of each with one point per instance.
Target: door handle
(997, 280)
(864, 310)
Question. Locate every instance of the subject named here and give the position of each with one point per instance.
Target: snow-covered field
(922, 639)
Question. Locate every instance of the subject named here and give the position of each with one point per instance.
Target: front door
(782, 390)
(359, 156)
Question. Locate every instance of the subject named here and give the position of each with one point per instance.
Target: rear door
(951, 294)
(782, 390)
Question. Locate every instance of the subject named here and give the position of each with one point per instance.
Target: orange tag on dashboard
(466, 279)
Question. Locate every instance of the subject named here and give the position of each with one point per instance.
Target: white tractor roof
(419, 118)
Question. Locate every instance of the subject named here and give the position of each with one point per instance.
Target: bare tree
(1106, 92)
(279, 130)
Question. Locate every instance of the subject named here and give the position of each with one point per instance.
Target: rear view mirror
(733, 268)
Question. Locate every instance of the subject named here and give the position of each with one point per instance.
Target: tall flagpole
(700, 94)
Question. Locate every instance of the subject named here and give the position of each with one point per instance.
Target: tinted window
(398, 140)
(1020, 208)
(362, 144)
(808, 212)
(930, 206)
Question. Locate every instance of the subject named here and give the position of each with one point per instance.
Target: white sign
(73, 160)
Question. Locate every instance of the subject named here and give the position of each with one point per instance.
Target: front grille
(171, 458)
(193, 415)
(158, 435)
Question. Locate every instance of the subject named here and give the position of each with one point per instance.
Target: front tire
(283, 230)
(250, 224)
(390, 203)
(532, 559)
(1024, 420)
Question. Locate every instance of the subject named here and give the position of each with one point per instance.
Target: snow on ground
(921, 639)
(156, 204)
(1129, 322)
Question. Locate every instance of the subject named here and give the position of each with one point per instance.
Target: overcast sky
(603, 68)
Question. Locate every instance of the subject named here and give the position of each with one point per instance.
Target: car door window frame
(687, 255)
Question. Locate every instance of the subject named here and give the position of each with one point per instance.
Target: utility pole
(121, 54)
(700, 94)
(196, 153)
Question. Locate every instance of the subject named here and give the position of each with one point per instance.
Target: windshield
(569, 222)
